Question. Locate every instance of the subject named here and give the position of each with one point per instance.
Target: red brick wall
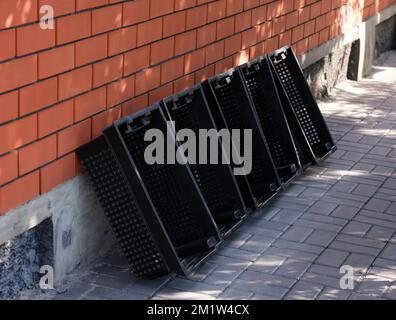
(109, 58)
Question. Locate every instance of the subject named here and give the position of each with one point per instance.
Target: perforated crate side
(189, 111)
(234, 103)
(119, 206)
(171, 188)
(261, 87)
(303, 103)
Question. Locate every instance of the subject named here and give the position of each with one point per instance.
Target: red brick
(37, 154)
(57, 172)
(225, 28)
(184, 4)
(216, 10)
(8, 106)
(194, 61)
(104, 119)
(185, 42)
(8, 167)
(249, 4)
(38, 96)
(149, 31)
(89, 104)
(56, 61)
(108, 70)
(55, 118)
(122, 40)
(214, 52)
(160, 93)
(147, 80)
(204, 74)
(259, 15)
(162, 50)
(232, 44)
(197, 17)
(17, 73)
(174, 23)
(75, 82)
(120, 91)
(135, 11)
(249, 38)
(184, 83)
(106, 19)
(172, 70)
(91, 49)
(32, 38)
(160, 8)
(136, 60)
(206, 35)
(19, 191)
(74, 27)
(243, 21)
(13, 13)
(134, 105)
(73, 137)
(7, 44)
(224, 65)
(61, 7)
(18, 133)
(87, 4)
(234, 7)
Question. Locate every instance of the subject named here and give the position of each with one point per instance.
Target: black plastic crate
(189, 110)
(232, 108)
(156, 211)
(303, 110)
(264, 94)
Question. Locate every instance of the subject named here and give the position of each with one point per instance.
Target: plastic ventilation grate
(303, 104)
(120, 208)
(262, 89)
(236, 108)
(218, 186)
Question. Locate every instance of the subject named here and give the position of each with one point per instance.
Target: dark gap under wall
(329, 71)
(385, 37)
(22, 257)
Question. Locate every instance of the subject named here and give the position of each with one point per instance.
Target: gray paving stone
(194, 286)
(344, 186)
(380, 233)
(392, 208)
(374, 286)
(359, 241)
(377, 205)
(238, 254)
(291, 253)
(384, 263)
(322, 207)
(391, 292)
(356, 228)
(365, 190)
(149, 287)
(333, 294)
(303, 247)
(389, 252)
(380, 151)
(257, 243)
(287, 216)
(345, 212)
(321, 238)
(331, 257)
(235, 294)
(174, 294)
(304, 291)
(296, 233)
(360, 263)
(113, 294)
(259, 287)
(293, 268)
(267, 279)
(267, 263)
(349, 247)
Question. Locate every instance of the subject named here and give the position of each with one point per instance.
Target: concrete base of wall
(81, 233)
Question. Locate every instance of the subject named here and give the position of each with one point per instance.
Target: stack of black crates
(169, 218)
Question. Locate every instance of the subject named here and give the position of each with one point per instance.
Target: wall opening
(385, 37)
(22, 257)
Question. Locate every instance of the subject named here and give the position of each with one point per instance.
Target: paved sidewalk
(340, 213)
